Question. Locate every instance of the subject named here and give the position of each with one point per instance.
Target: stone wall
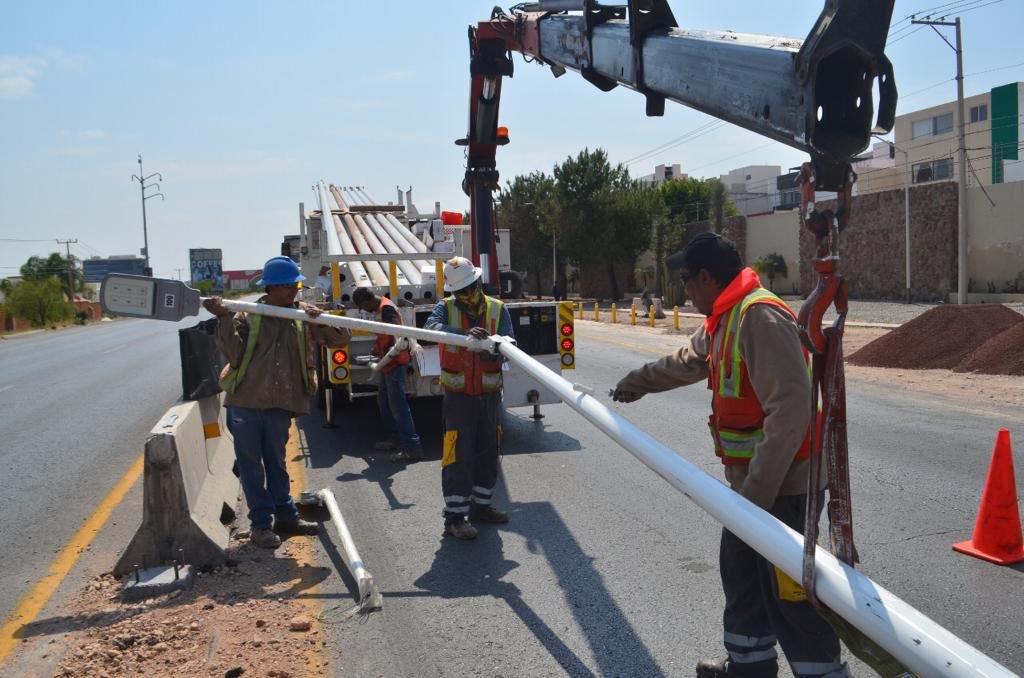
(873, 250)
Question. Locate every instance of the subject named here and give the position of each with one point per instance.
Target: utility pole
(907, 179)
(179, 270)
(142, 179)
(71, 267)
(961, 268)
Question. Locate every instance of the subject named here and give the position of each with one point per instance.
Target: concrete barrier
(189, 490)
(645, 310)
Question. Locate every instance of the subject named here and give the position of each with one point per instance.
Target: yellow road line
(29, 607)
(303, 554)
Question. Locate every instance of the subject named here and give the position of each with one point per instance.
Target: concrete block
(645, 311)
(156, 581)
(189, 491)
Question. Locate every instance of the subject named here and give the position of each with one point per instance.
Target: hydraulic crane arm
(815, 94)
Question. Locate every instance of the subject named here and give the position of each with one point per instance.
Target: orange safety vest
(386, 341)
(471, 372)
(737, 418)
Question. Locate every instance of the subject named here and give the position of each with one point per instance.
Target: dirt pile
(1002, 354)
(941, 338)
(240, 620)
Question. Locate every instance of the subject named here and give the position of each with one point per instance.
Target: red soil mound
(1002, 354)
(941, 338)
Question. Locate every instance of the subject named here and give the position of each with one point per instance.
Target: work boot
(485, 513)
(264, 537)
(460, 529)
(405, 457)
(723, 668)
(296, 526)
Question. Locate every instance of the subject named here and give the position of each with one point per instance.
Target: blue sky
(243, 106)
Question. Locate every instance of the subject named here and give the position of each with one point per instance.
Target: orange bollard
(651, 315)
(632, 314)
(581, 311)
(675, 317)
(997, 537)
(597, 313)
(615, 315)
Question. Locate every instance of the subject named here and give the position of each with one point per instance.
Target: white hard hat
(459, 272)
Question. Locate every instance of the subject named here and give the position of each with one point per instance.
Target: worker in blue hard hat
(269, 379)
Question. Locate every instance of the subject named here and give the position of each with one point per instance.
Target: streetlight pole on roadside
(142, 179)
(907, 179)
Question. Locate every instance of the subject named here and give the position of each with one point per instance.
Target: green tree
(772, 265)
(718, 199)
(524, 208)
(39, 301)
(583, 186)
(632, 209)
(57, 266)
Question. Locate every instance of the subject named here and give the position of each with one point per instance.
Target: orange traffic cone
(997, 536)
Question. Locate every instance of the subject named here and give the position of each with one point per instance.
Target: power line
(23, 240)
(678, 141)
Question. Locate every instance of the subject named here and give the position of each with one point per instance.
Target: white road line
(113, 348)
(5, 388)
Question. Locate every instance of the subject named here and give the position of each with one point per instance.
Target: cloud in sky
(18, 76)
(397, 75)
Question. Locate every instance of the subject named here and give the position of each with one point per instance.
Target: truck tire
(511, 285)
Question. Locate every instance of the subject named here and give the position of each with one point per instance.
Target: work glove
(625, 394)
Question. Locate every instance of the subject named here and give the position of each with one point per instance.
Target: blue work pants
(394, 410)
(260, 439)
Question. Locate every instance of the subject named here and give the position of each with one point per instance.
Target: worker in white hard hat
(472, 400)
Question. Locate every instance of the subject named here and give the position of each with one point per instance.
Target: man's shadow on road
(478, 568)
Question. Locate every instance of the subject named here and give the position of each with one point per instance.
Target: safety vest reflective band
(471, 372)
(737, 418)
(385, 341)
(233, 379)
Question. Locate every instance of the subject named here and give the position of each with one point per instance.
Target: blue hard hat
(280, 271)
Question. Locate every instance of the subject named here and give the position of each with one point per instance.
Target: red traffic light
(566, 330)
(339, 357)
(567, 344)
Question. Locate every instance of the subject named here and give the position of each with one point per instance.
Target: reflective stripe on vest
(456, 361)
(231, 382)
(734, 442)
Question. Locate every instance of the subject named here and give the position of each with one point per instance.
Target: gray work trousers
(469, 461)
(763, 606)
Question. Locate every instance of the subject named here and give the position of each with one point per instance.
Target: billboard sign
(98, 267)
(207, 264)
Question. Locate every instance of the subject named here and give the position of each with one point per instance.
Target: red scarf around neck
(742, 285)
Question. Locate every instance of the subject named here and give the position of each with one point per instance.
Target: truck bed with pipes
(353, 241)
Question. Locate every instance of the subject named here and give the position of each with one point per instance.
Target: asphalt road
(75, 407)
(604, 569)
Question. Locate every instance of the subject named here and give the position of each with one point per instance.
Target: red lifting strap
(829, 447)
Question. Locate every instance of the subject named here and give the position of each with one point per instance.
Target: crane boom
(815, 94)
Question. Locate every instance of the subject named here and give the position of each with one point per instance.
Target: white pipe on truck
(378, 276)
(408, 269)
(355, 268)
(919, 643)
(399, 244)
